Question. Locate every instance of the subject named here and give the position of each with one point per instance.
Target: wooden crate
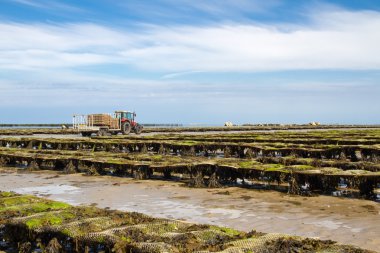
(103, 120)
(114, 123)
(100, 119)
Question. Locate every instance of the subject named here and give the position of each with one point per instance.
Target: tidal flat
(345, 220)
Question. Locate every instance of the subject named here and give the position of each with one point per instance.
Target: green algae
(49, 219)
(273, 167)
(7, 194)
(227, 231)
(157, 158)
(34, 207)
(247, 164)
(17, 200)
(301, 167)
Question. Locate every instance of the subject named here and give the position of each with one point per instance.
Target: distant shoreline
(69, 124)
(54, 125)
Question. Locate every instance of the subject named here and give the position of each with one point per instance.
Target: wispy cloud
(347, 40)
(28, 3)
(285, 101)
(48, 5)
(229, 7)
(180, 74)
(335, 40)
(198, 11)
(62, 87)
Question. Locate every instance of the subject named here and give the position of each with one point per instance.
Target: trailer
(107, 123)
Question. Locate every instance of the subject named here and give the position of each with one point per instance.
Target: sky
(191, 61)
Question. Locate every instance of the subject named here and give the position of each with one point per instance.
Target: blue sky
(191, 61)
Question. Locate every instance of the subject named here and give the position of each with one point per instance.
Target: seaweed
(315, 159)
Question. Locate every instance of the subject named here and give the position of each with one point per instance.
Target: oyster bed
(296, 162)
(29, 223)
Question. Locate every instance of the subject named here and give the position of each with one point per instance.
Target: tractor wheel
(126, 128)
(102, 132)
(138, 129)
(86, 134)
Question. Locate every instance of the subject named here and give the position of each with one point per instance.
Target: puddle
(329, 224)
(228, 213)
(48, 190)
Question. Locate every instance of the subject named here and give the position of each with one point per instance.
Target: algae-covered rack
(297, 162)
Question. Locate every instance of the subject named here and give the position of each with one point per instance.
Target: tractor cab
(127, 122)
(126, 116)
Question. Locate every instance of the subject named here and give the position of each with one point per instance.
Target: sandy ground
(348, 221)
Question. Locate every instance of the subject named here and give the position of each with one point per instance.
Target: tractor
(128, 122)
(105, 124)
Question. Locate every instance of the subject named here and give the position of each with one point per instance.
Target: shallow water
(348, 221)
(49, 190)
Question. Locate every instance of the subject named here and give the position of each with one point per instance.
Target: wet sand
(348, 221)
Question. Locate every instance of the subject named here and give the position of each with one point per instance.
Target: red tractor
(104, 124)
(128, 123)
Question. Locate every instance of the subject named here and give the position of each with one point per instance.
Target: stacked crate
(103, 120)
(114, 123)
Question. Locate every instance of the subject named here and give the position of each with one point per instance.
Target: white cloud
(338, 40)
(198, 10)
(335, 39)
(178, 74)
(227, 8)
(48, 5)
(67, 87)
